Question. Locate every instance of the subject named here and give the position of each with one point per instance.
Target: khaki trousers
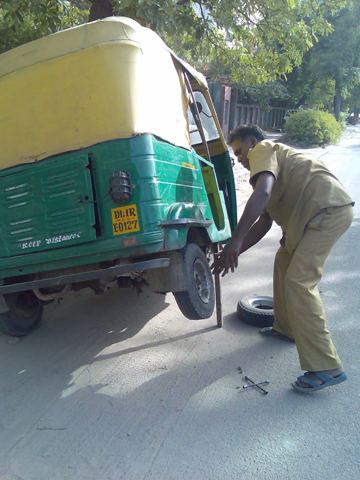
(298, 310)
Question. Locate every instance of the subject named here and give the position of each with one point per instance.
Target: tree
(254, 40)
(24, 20)
(331, 70)
(101, 9)
(353, 103)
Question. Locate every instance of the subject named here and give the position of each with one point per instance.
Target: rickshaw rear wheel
(198, 300)
(25, 313)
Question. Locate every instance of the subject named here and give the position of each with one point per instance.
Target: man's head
(243, 139)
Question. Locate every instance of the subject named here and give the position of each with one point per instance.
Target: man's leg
(281, 264)
(315, 347)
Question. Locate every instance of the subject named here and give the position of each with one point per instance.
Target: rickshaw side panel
(46, 204)
(167, 186)
(163, 177)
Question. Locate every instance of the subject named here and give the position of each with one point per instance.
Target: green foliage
(353, 101)
(343, 119)
(309, 128)
(320, 95)
(266, 95)
(332, 68)
(24, 20)
(254, 41)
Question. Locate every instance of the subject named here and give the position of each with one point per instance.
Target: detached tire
(198, 301)
(25, 313)
(256, 310)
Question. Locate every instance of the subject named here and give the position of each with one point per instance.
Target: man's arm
(257, 231)
(255, 206)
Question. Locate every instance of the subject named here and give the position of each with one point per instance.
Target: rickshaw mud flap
(110, 273)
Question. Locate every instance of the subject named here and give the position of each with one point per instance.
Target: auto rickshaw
(113, 167)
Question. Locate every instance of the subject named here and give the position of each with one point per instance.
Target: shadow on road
(97, 394)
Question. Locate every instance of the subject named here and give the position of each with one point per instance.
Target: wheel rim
(202, 281)
(262, 303)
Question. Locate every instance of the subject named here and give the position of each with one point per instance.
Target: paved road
(123, 387)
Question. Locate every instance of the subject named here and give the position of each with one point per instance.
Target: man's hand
(228, 258)
(254, 207)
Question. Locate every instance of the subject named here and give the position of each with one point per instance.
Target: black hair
(244, 132)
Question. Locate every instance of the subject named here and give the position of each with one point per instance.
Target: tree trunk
(356, 114)
(101, 9)
(337, 102)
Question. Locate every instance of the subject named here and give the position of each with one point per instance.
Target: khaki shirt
(303, 187)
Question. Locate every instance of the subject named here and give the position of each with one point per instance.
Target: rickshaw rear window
(208, 123)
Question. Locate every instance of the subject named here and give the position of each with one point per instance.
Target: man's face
(241, 150)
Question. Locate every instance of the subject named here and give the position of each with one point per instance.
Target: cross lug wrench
(256, 385)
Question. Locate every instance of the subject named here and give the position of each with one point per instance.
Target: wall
(233, 111)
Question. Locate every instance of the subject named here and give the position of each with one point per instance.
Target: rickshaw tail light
(120, 186)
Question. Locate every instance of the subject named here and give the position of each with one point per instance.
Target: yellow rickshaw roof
(111, 29)
(104, 80)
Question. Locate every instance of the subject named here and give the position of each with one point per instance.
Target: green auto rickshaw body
(100, 185)
(72, 192)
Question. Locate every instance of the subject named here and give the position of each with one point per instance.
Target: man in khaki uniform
(311, 206)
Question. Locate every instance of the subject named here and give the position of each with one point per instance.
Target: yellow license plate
(125, 220)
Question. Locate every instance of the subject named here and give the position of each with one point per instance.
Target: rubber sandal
(327, 381)
(270, 332)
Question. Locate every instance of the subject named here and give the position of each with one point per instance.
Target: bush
(310, 128)
(343, 119)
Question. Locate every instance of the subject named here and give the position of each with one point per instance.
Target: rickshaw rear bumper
(110, 274)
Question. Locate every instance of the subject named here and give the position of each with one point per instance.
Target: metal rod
(219, 319)
(247, 379)
(256, 385)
